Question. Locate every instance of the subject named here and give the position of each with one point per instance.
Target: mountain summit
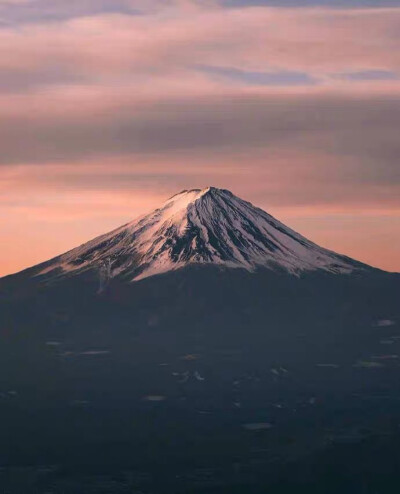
(203, 226)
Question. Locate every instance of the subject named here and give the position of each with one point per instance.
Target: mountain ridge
(197, 226)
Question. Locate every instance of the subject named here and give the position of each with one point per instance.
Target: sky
(108, 107)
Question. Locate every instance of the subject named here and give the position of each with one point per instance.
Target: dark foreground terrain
(201, 381)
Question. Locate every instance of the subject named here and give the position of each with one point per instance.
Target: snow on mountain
(208, 226)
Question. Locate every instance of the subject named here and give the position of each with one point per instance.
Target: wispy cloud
(370, 75)
(257, 78)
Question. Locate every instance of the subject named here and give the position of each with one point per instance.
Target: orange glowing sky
(108, 107)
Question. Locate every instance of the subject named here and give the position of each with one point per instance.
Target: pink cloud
(260, 38)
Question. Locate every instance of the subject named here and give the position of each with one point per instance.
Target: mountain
(198, 226)
(204, 348)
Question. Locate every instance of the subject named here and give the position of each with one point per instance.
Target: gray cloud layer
(365, 128)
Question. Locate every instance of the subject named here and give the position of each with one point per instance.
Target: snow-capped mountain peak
(203, 226)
